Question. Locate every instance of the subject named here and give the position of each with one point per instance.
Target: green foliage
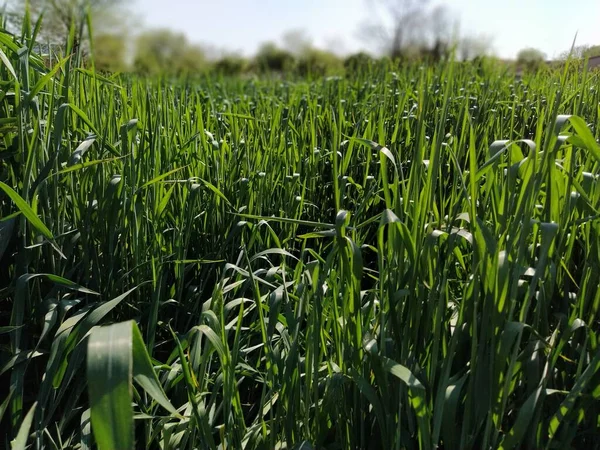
(530, 58)
(358, 61)
(109, 53)
(580, 52)
(318, 62)
(117, 356)
(575, 58)
(404, 257)
(230, 65)
(270, 58)
(58, 16)
(593, 51)
(163, 51)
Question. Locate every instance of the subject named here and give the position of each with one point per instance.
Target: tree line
(405, 30)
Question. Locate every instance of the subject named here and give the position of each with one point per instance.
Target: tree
(297, 42)
(319, 62)
(581, 52)
(396, 24)
(109, 23)
(471, 47)
(410, 29)
(358, 62)
(162, 51)
(577, 52)
(230, 65)
(271, 58)
(440, 25)
(109, 53)
(59, 15)
(531, 58)
(592, 51)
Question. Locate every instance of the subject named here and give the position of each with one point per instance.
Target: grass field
(397, 258)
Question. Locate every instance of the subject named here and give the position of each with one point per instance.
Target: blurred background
(324, 36)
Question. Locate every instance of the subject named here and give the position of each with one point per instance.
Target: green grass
(400, 258)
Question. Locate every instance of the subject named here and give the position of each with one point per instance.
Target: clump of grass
(404, 258)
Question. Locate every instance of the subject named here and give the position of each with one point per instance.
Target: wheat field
(400, 257)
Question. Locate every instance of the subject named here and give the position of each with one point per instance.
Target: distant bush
(271, 58)
(165, 52)
(592, 52)
(530, 59)
(358, 61)
(230, 65)
(318, 62)
(109, 53)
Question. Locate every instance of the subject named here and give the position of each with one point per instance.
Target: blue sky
(242, 25)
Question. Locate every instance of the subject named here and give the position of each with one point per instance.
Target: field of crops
(396, 258)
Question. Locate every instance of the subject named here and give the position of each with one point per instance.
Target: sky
(242, 25)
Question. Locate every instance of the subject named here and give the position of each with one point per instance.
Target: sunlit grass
(405, 257)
